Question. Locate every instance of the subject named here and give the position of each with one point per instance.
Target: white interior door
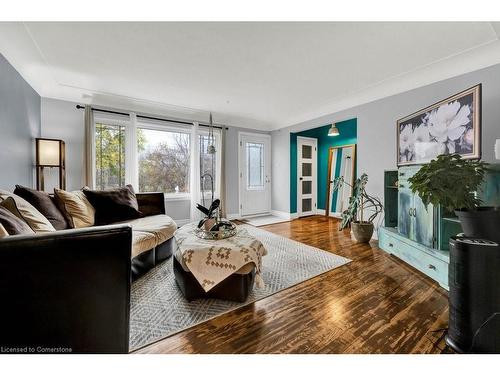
(255, 174)
(306, 175)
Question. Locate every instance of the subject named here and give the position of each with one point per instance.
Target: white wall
(61, 120)
(377, 129)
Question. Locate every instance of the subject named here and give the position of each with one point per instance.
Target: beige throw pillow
(25, 211)
(3, 232)
(79, 212)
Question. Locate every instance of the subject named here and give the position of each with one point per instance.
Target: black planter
(482, 222)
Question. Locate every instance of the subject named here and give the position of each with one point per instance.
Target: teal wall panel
(348, 135)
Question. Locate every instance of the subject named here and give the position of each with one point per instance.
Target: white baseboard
(233, 216)
(282, 214)
(319, 211)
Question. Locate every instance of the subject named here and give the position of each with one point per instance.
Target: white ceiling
(259, 75)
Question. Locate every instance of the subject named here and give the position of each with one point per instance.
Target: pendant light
(333, 131)
(211, 139)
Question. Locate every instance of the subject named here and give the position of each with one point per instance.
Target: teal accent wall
(348, 135)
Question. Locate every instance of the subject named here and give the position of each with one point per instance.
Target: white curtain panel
(222, 173)
(194, 180)
(131, 162)
(89, 156)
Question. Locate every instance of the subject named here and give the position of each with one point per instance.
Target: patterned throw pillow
(77, 208)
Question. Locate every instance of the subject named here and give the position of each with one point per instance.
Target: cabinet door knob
(391, 245)
(410, 211)
(432, 266)
(401, 173)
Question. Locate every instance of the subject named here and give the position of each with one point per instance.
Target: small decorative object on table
(212, 226)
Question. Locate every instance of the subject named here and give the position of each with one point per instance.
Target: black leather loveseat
(69, 290)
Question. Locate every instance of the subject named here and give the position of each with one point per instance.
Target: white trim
(282, 214)
(177, 196)
(314, 192)
(320, 211)
(294, 215)
(233, 216)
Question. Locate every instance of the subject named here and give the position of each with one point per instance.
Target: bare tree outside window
(164, 159)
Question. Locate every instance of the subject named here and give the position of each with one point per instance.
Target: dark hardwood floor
(375, 304)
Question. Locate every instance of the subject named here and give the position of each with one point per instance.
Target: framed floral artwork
(450, 126)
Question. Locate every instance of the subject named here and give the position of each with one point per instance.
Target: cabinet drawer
(386, 241)
(429, 265)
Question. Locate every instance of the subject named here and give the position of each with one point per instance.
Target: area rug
(158, 308)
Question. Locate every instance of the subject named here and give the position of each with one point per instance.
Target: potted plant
(453, 183)
(360, 204)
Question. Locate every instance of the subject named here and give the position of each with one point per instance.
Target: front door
(255, 174)
(306, 174)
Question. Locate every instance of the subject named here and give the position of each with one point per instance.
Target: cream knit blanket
(212, 261)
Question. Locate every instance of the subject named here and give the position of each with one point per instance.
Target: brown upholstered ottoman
(236, 287)
(225, 269)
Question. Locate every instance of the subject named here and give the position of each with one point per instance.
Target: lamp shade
(48, 152)
(333, 131)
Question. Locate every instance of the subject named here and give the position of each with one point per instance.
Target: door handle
(410, 211)
(300, 178)
(414, 212)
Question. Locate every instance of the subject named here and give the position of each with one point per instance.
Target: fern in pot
(362, 205)
(454, 183)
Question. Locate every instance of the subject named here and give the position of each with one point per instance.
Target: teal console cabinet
(418, 237)
(421, 235)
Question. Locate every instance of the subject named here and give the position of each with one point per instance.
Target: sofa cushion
(25, 211)
(11, 223)
(3, 231)
(142, 241)
(44, 203)
(162, 226)
(76, 207)
(113, 205)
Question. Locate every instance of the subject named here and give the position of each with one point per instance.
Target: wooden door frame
(330, 153)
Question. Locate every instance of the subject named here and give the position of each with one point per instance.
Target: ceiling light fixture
(333, 131)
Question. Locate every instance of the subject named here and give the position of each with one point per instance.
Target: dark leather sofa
(69, 290)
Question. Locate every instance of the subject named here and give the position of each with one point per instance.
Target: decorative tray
(225, 231)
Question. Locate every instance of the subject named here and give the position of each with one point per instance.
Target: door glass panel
(306, 152)
(404, 210)
(306, 205)
(306, 187)
(255, 166)
(306, 169)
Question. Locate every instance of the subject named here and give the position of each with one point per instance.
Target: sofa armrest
(151, 203)
(68, 289)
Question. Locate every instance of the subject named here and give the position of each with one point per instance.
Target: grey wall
(19, 126)
(60, 119)
(377, 129)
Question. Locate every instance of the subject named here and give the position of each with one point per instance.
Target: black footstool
(235, 288)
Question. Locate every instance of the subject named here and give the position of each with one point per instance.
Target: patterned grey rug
(158, 308)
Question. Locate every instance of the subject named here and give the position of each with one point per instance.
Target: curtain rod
(78, 106)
